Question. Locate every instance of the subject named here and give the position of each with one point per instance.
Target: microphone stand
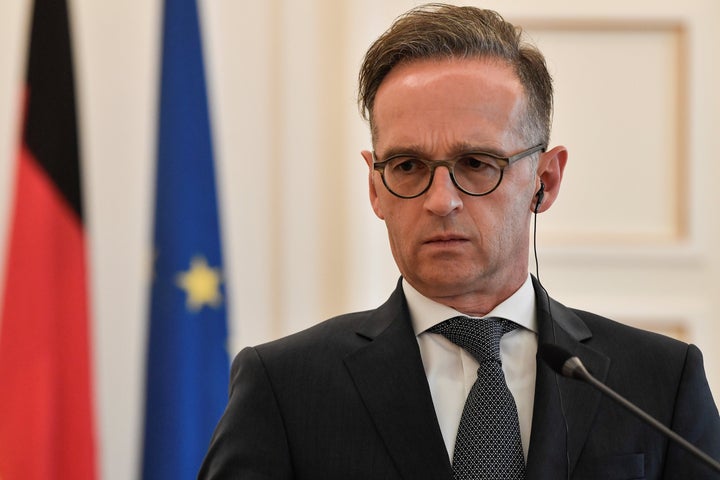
(707, 459)
(571, 366)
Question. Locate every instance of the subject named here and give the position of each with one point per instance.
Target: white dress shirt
(451, 371)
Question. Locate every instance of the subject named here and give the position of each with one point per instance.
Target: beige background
(633, 236)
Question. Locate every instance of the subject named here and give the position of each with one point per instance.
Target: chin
(446, 284)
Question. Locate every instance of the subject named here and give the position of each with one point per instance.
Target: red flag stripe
(46, 428)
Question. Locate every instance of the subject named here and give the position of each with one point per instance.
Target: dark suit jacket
(348, 399)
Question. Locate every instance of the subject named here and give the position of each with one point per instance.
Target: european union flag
(187, 362)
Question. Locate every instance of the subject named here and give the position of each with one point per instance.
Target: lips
(446, 239)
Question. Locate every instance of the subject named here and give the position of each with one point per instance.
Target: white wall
(300, 241)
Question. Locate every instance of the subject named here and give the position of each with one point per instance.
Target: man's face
(464, 251)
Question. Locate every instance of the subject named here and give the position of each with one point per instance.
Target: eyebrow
(457, 149)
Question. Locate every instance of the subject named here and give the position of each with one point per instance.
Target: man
(459, 109)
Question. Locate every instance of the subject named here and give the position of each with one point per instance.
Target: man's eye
(477, 162)
(406, 165)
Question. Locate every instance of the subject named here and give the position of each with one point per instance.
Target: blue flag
(187, 362)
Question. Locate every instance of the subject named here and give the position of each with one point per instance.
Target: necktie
(488, 440)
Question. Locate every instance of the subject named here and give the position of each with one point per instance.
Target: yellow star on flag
(201, 283)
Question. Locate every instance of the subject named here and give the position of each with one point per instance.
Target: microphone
(568, 365)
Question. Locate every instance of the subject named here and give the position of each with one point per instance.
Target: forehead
(459, 100)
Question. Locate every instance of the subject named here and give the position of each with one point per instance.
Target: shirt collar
(518, 307)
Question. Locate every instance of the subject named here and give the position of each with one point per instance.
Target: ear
(551, 166)
(374, 201)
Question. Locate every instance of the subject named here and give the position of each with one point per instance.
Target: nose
(442, 198)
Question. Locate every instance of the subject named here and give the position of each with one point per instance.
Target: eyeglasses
(474, 173)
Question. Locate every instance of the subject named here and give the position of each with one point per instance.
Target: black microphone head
(554, 356)
(563, 362)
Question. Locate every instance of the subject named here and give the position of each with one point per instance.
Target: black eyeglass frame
(504, 162)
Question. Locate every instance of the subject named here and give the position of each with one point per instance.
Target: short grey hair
(438, 30)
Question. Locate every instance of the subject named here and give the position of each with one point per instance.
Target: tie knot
(480, 337)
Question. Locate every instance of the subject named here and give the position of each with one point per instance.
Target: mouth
(446, 240)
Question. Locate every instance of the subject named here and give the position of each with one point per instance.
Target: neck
(480, 302)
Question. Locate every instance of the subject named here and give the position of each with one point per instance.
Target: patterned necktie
(488, 440)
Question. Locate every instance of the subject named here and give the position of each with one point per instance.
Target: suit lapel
(390, 378)
(561, 405)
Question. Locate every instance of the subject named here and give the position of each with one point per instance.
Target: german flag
(46, 408)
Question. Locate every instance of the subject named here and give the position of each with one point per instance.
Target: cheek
(386, 206)
(514, 226)
(399, 244)
(400, 227)
(501, 223)
(394, 224)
